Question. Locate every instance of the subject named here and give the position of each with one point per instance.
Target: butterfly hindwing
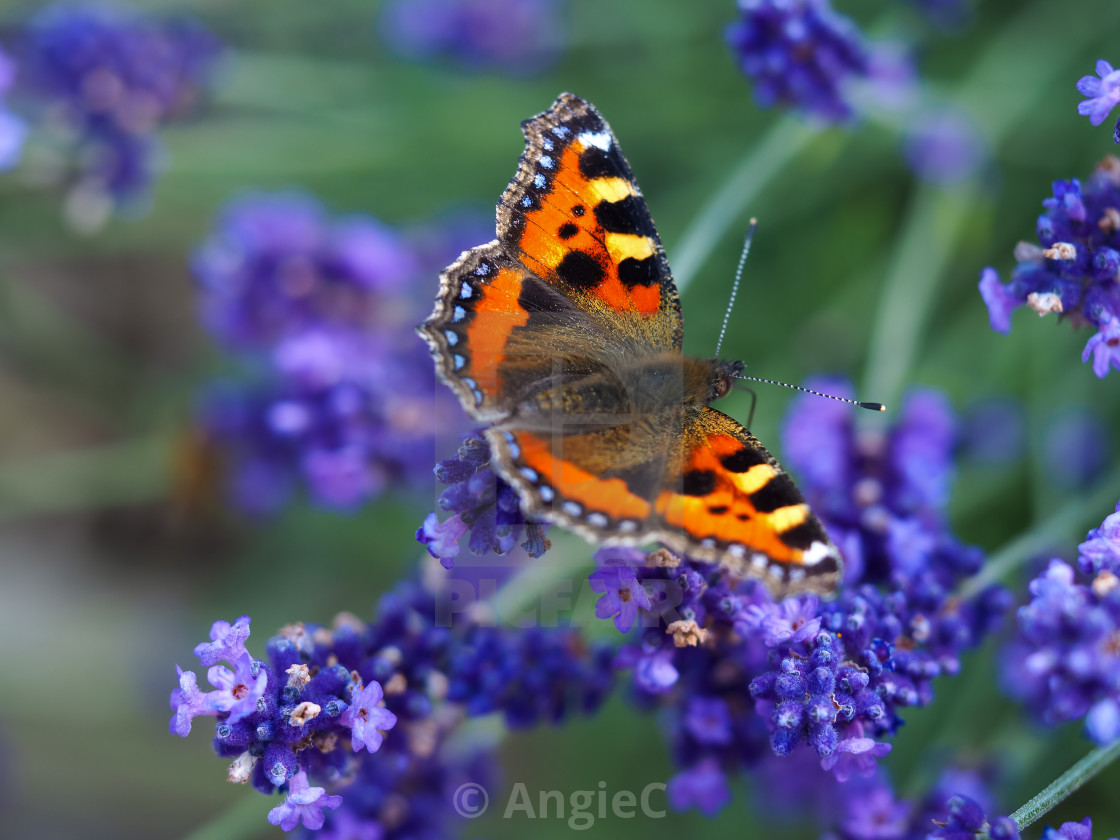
(698, 482)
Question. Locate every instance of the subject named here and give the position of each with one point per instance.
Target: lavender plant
(371, 728)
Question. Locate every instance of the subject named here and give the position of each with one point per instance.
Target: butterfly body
(564, 335)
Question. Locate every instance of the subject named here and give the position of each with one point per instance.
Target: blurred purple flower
(116, 77)
(345, 402)
(1078, 445)
(278, 266)
(13, 130)
(994, 431)
(1064, 662)
(510, 36)
(944, 146)
(803, 54)
(703, 787)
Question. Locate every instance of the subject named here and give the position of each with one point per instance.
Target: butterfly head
(722, 377)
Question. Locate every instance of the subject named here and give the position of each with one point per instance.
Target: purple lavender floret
(359, 715)
(1073, 269)
(1064, 662)
(622, 593)
(116, 77)
(799, 53)
(1102, 90)
(482, 504)
(303, 804)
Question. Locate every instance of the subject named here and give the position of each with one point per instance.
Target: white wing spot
(465, 291)
(538, 181)
(546, 492)
(547, 144)
(459, 361)
(816, 553)
(459, 314)
(530, 474)
(571, 508)
(451, 336)
(627, 526)
(598, 520)
(545, 161)
(598, 139)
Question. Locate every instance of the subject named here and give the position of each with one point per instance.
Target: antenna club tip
(873, 406)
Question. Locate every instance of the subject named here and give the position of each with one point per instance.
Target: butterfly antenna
(872, 406)
(735, 285)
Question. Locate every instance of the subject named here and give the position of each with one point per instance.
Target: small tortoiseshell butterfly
(564, 335)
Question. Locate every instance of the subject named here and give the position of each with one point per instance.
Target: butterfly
(564, 334)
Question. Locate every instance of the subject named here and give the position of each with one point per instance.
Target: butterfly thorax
(652, 386)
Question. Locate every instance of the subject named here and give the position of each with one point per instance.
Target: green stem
(1067, 783)
(766, 159)
(1087, 506)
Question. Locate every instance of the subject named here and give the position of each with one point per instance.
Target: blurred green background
(109, 578)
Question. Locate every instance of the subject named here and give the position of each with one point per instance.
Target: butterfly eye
(722, 386)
